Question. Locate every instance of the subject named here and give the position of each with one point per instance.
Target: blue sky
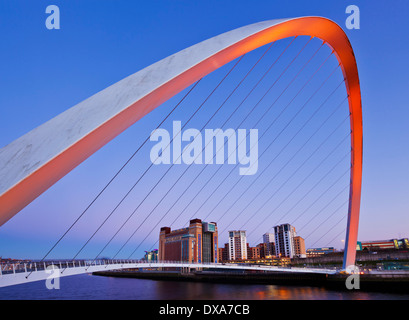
(44, 72)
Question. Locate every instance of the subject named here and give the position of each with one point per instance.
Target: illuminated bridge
(294, 80)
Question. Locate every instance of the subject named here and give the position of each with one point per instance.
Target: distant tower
(268, 240)
(299, 247)
(268, 237)
(237, 245)
(284, 240)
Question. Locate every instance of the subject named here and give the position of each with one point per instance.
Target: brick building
(196, 243)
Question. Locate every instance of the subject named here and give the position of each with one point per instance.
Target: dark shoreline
(367, 282)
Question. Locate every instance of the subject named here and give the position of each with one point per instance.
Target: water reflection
(86, 287)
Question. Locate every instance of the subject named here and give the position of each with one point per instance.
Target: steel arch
(35, 161)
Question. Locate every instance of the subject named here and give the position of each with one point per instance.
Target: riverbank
(380, 282)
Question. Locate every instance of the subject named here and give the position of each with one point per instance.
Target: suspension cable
(328, 231)
(248, 115)
(279, 134)
(243, 139)
(303, 181)
(287, 163)
(329, 217)
(322, 194)
(179, 156)
(115, 176)
(343, 231)
(327, 205)
(319, 212)
(208, 180)
(150, 166)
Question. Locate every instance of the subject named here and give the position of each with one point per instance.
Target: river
(89, 287)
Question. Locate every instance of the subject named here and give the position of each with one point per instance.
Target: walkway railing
(29, 271)
(34, 266)
(64, 264)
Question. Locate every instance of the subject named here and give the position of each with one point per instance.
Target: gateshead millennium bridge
(34, 162)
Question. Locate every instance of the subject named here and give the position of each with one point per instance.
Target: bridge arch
(35, 161)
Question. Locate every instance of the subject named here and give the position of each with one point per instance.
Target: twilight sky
(44, 72)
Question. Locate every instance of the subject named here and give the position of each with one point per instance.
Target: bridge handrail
(32, 266)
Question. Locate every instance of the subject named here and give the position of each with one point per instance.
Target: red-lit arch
(34, 162)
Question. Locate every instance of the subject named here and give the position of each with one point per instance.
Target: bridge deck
(14, 274)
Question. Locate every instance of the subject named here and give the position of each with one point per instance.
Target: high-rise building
(209, 242)
(269, 249)
(237, 245)
(223, 253)
(196, 243)
(220, 253)
(262, 248)
(268, 237)
(253, 252)
(284, 240)
(299, 247)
